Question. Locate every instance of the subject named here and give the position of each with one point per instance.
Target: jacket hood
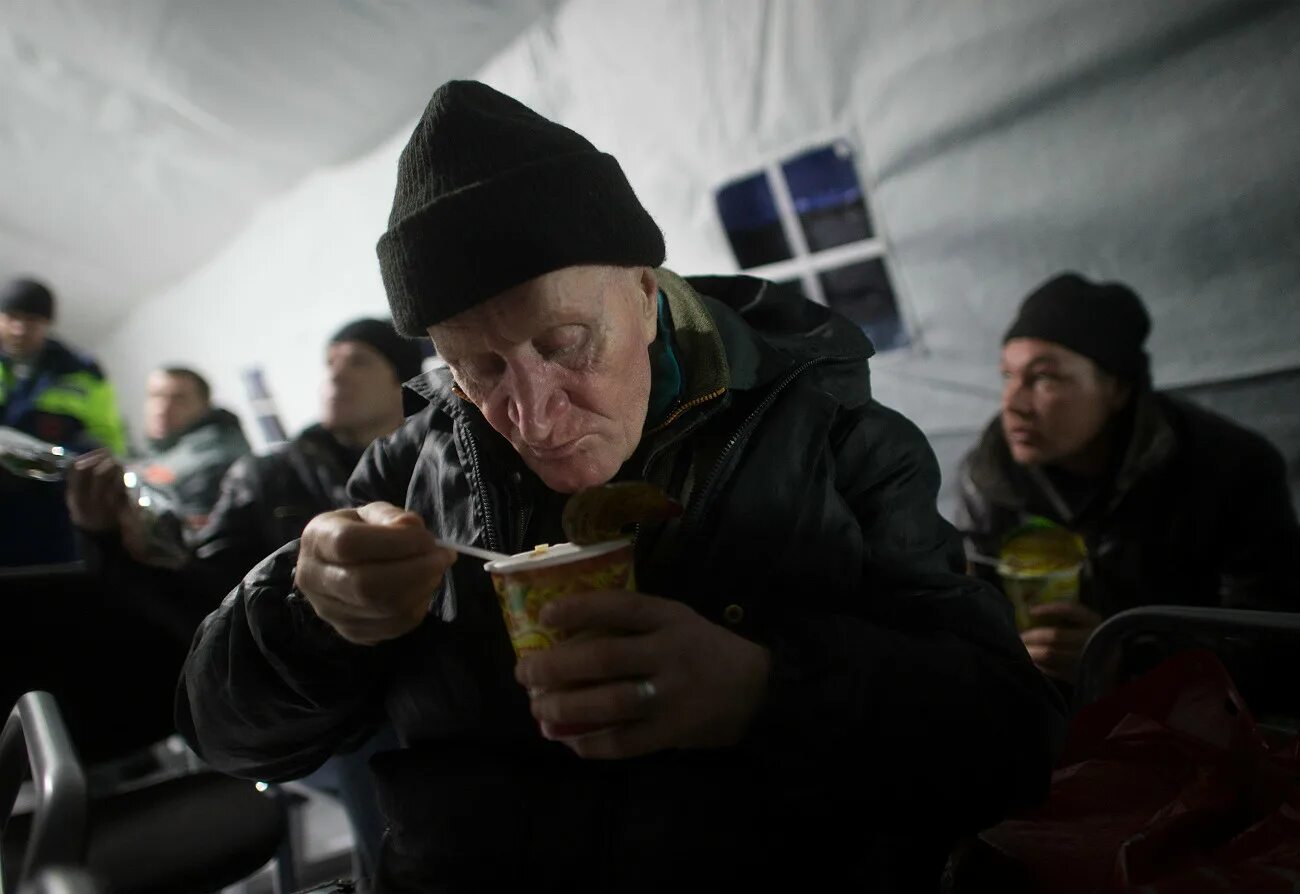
(991, 471)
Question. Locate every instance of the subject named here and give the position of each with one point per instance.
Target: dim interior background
(205, 182)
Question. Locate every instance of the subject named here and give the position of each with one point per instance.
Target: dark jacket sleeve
(1259, 533)
(234, 538)
(926, 708)
(269, 691)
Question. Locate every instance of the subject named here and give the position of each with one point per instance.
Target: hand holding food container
(614, 673)
(1040, 565)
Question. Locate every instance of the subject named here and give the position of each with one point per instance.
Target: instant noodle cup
(1040, 563)
(527, 581)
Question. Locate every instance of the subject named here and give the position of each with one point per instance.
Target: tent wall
(1000, 142)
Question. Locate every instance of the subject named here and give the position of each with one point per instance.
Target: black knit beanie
(1104, 322)
(490, 195)
(27, 296)
(402, 353)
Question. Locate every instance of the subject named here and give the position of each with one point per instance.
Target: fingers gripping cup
(527, 581)
(1040, 563)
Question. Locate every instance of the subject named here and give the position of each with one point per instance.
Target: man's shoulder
(64, 360)
(1203, 432)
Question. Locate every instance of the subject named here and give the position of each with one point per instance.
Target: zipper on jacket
(489, 518)
(682, 408)
(695, 517)
(525, 515)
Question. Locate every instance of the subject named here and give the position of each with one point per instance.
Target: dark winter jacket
(902, 709)
(1197, 512)
(189, 465)
(266, 501)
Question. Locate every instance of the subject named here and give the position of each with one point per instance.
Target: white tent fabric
(139, 136)
(1000, 142)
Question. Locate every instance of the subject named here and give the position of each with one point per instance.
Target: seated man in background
(264, 503)
(1173, 504)
(57, 395)
(816, 691)
(191, 442)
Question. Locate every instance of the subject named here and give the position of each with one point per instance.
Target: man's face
(559, 366)
(360, 390)
(1055, 403)
(22, 335)
(171, 404)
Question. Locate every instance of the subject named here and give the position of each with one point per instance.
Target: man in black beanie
(1168, 502)
(815, 693)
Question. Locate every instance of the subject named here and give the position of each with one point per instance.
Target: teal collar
(665, 369)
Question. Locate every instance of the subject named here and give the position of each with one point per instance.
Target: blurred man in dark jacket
(191, 442)
(816, 691)
(1174, 504)
(266, 501)
(55, 394)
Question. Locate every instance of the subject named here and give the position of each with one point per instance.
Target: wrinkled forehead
(573, 295)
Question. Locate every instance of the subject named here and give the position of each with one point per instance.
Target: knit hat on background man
(27, 296)
(402, 353)
(490, 195)
(1104, 322)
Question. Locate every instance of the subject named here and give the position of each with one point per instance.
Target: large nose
(535, 403)
(1016, 397)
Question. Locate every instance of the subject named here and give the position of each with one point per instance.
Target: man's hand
(370, 573)
(96, 494)
(1056, 641)
(705, 683)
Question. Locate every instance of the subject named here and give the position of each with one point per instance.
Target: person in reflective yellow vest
(58, 395)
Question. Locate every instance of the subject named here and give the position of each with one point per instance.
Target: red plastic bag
(1166, 785)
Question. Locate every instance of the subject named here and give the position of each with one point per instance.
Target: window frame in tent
(806, 265)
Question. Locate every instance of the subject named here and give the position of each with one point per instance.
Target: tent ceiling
(137, 136)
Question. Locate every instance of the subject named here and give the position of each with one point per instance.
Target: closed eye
(562, 341)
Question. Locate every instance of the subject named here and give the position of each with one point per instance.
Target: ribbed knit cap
(27, 296)
(1104, 322)
(490, 195)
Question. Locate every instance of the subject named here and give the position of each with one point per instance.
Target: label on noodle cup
(527, 581)
(1040, 562)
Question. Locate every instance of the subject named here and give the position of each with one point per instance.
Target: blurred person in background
(191, 443)
(1171, 504)
(264, 503)
(58, 395)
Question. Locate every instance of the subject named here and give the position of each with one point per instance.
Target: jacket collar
(216, 417)
(733, 333)
(1152, 441)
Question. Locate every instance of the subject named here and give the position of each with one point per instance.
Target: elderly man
(1174, 504)
(813, 691)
